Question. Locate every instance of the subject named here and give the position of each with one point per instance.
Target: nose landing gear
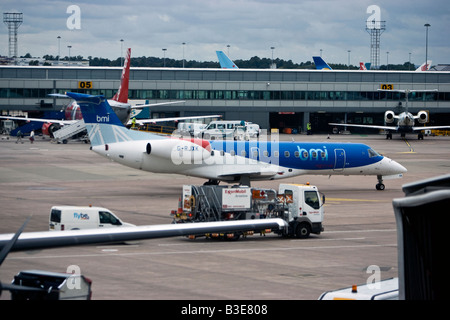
(380, 185)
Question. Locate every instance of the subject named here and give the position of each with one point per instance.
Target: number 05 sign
(84, 84)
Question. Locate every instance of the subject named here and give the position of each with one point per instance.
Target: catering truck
(299, 205)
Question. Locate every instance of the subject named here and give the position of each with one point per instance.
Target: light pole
(69, 53)
(184, 43)
(409, 66)
(387, 60)
(272, 48)
(426, 46)
(348, 65)
(59, 47)
(121, 52)
(164, 50)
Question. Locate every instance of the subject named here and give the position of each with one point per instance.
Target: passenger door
(339, 162)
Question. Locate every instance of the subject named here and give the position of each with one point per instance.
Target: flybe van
(77, 218)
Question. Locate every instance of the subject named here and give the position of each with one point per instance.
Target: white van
(222, 129)
(77, 218)
(190, 128)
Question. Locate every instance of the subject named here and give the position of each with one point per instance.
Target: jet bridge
(422, 221)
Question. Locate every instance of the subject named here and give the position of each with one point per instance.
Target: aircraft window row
(287, 154)
(235, 94)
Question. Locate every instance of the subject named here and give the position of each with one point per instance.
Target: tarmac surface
(360, 229)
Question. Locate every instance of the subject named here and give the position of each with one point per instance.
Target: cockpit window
(372, 153)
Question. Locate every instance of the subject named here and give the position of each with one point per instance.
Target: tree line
(253, 63)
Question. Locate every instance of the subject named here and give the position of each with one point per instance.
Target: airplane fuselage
(225, 160)
(405, 122)
(230, 160)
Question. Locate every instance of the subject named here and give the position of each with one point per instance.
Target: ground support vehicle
(45, 285)
(299, 205)
(79, 218)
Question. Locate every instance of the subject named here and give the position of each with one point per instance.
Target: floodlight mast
(375, 29)
(13, 21)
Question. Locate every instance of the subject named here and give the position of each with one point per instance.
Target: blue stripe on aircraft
(303, 155)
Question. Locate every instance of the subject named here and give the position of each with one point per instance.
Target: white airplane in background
(405, 120)
(223, 160)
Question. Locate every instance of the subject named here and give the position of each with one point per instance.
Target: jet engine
(179, 150)
(389, 116)
(422, 116)
(49, 128)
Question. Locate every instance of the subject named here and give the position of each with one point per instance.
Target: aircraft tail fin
(425, 66)
(321, 64)
(102, 124)
(362, 66)
(122, 93)
(225, 62)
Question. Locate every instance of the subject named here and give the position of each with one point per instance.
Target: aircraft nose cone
(390, 166)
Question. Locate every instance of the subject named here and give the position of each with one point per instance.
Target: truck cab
(304, 208)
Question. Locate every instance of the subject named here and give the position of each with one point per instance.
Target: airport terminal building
(273, 98)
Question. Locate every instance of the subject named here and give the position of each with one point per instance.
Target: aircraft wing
(430, 128)
(144, 121)
(140, 106)
(364, 126)
(255, 174)
(59, 95)
(51, 239)
(62, 122)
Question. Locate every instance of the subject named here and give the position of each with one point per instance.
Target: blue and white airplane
(229, 161)
(321, 64)
(225, 62)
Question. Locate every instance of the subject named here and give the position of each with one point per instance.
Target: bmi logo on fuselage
(313, 154)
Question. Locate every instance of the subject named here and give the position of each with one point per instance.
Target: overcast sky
(297, 29)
